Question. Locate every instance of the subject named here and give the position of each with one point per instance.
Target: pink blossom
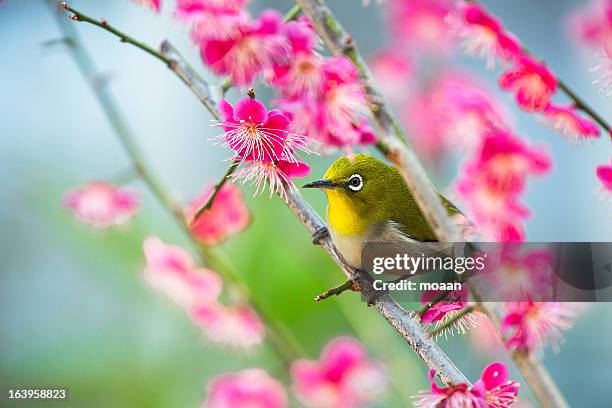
(593, 24)
(492, 181)
(514, 273)
(532, 83)
(483, 34)
(604, 174)
(504, 161)
(252, 388)
(301, 75)
(492, 390)
(227, 216)
(464, 110)
(567, 121)
(255, 47)
(344, 377)
(153, 4)
(454, 300)
(392, 72)
(278, 175)
(252, 131)
(332, 116)
(442, 311)
(530, 326)
(171, 270)
(421, 24)
(497, 213)
(213, 19)
(101, 204)
(237, 326)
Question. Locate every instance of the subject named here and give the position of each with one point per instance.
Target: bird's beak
(321, 183)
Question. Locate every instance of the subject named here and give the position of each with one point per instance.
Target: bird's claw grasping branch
(319, 235)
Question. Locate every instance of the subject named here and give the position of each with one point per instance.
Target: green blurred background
(73, 308)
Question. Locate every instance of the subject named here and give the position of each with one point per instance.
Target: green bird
(368, 201)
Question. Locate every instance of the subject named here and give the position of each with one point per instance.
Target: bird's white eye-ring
(355, 182)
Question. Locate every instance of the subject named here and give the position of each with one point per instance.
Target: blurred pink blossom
(604, 174)
(213, 19)
(256, 46)
(101, 204)
(301, 75)
(532, 83)
(227, 216)
(482, 34)
(344, 377)
(171, 270)
(515, 273)
(153, 4)
(392, 73)
(236, 326)
(492, 181)
(530, 326)
(567, 121)
(332, 116)
(592, 25)
(464, 110)
(492, 390)
(504, 161)
(252, 388)
(421, 24)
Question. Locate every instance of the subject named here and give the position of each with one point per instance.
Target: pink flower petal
(250, 110)
(252, 388)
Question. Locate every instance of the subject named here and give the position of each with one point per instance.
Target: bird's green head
(359, 189)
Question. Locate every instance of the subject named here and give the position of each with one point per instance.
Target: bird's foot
(320, 235)
(348, 285)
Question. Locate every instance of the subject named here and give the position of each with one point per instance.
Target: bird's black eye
(355, 182)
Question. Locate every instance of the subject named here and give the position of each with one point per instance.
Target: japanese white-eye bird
(368, 201)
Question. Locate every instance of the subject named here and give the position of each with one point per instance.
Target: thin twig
(339, 42)
(209, 202)
(103, 24)
(337, 291)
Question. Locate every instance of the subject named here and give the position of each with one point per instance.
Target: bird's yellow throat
(342, 216)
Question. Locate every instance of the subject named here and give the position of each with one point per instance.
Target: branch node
(64, 5)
